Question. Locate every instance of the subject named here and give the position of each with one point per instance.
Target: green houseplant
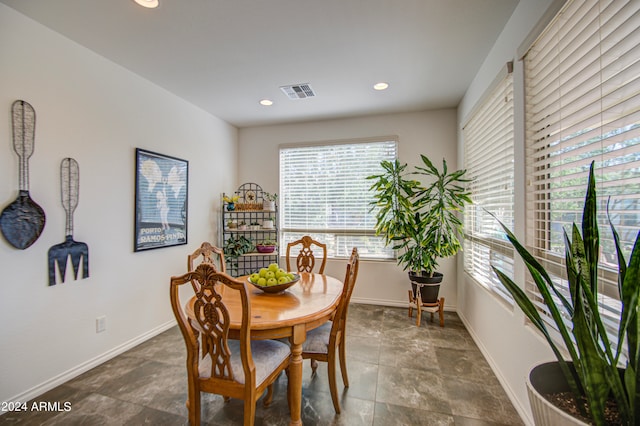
(594, 374)
(236, 247)
(420, 222)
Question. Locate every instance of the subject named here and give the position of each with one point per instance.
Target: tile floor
(399, 374)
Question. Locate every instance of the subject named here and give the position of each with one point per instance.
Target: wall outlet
(101, 324)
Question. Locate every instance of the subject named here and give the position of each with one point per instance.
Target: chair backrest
(340, 318)
(306, 260)
(210, 322)
(210, 254)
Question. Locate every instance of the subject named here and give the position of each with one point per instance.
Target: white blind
(488, 140)
(324, 193)
(582, 104)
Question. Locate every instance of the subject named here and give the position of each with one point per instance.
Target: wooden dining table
(306, 305)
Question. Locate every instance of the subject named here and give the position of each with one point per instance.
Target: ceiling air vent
(298, 91)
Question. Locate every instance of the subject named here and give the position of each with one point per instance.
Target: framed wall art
(162, 187)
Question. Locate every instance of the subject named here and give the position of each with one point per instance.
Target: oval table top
(313, 299)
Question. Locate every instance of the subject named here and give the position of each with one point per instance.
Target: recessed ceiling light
(151, 4)
(381, 86)
(266, 102)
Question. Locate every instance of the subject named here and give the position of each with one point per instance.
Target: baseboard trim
(522, 411)
(88, 365)
(391, 303)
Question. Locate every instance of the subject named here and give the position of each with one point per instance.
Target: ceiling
(226, 55)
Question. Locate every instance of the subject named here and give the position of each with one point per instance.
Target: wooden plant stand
(432, 308)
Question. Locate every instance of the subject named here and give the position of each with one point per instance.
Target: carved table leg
(295, 374)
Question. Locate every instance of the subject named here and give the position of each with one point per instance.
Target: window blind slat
(582, 101)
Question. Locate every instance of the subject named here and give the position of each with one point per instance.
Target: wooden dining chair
(305, 259)
(323, 342)
(208, 254)
(242, 368)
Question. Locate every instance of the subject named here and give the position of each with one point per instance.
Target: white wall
(98, 113)
(510, 346)
(432, 133)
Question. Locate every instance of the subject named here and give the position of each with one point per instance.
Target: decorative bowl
(265, 249)
(278, 288)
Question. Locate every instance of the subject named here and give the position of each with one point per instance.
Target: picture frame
(161, 204)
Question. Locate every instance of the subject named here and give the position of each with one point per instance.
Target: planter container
(267, 224)
(269, 205)
(429, 288)
(265, 249)
(545, 379)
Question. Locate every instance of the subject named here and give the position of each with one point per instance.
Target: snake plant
(596, 359)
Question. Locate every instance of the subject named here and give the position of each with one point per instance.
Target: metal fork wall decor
(58, 254)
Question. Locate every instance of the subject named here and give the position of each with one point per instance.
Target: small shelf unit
(248, 219)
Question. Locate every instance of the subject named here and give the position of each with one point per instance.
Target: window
(488, 138)
(582, 104)
(324, 193)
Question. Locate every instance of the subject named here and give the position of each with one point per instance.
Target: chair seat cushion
(318, 339)
(267, 355)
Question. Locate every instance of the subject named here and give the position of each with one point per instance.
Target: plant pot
(231, 206)
(546, 379)
(429, 286)
(269, 205)
(267, 224)
(265, 249)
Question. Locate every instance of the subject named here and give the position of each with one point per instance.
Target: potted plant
(236, 247)
(231, 201)
(603, 389)
(268, 223)
(421, 222)
(269, 202)
(266, 246)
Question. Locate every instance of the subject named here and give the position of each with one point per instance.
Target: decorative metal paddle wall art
(58, 254)
(23, 220)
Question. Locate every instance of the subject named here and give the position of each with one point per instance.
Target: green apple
(254, 278)
(274, 267)
(263, 272)
(280, 273)
(272, 281)
(270, 274)
(283, 280)
(262, 281)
